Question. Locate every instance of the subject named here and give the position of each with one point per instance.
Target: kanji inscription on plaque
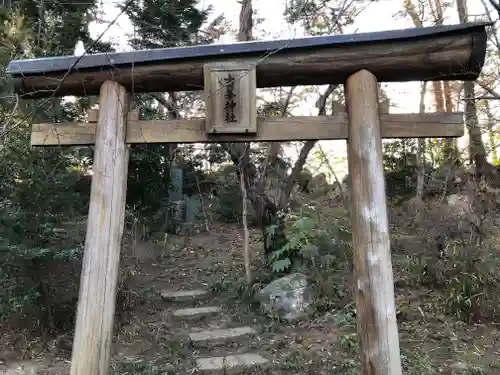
(230, 98)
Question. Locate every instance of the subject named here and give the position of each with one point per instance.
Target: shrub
(471, 281)
(39, 285)
(307, 243)
(39, 260)
(228, 201)
(448, 258)
(227, 185)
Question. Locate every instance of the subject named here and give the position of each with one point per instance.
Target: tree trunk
(443, 97)
(246, 241)
(170, 104)
(421, 150)
(491, 134)
(245, 34)
(267, 211)
(437, 86)
(496, 5)
(477, 152)
(275, 168)
(448, 97)
(246, 21)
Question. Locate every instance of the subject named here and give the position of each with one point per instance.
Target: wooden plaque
(230, 91)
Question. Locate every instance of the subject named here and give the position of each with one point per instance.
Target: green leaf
(277, 254)
(289, 245)
(304, 224)
(344, 235)
(271, 230)
(281, 265)
(309, 251)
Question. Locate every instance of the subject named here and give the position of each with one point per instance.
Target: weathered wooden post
(375, 305)
(96, 304)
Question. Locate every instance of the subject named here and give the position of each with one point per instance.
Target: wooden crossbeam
(412, 125)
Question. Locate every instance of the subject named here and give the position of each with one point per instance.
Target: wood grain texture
(375, 305)
(411, 125)
(218, 77)
(441, 57)
(96, 304)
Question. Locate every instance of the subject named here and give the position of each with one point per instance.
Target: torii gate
(230, 74)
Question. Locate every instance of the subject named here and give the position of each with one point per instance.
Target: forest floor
(149, 342)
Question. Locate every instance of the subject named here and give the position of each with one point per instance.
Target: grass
(141, 368)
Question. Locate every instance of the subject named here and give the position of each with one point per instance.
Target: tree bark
(442, 95)
(421, 150)
(246, 241)
(496, 5)
(275, 169)
(170, 105)
(477, 152)
(305, 150)
(246, 21)
(245, 34)
(265, 209)
(437, 86)
(491, 133)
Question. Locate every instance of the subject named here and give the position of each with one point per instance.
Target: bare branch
(485, 87)
(306, 148)
(332, 171)
(496, 6)
(168, 104)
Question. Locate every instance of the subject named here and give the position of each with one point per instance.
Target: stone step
(230, 364)
(219, 337)
(196, 312)
(184, 295)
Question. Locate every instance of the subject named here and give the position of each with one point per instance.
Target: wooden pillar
(96, 304)
(375, 305)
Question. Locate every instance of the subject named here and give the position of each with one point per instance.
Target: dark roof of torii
(455, 52)
(240, 49)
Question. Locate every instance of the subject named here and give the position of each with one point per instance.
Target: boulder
(290, 297)
(459, 204)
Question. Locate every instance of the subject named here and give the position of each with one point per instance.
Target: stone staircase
(216, 346)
